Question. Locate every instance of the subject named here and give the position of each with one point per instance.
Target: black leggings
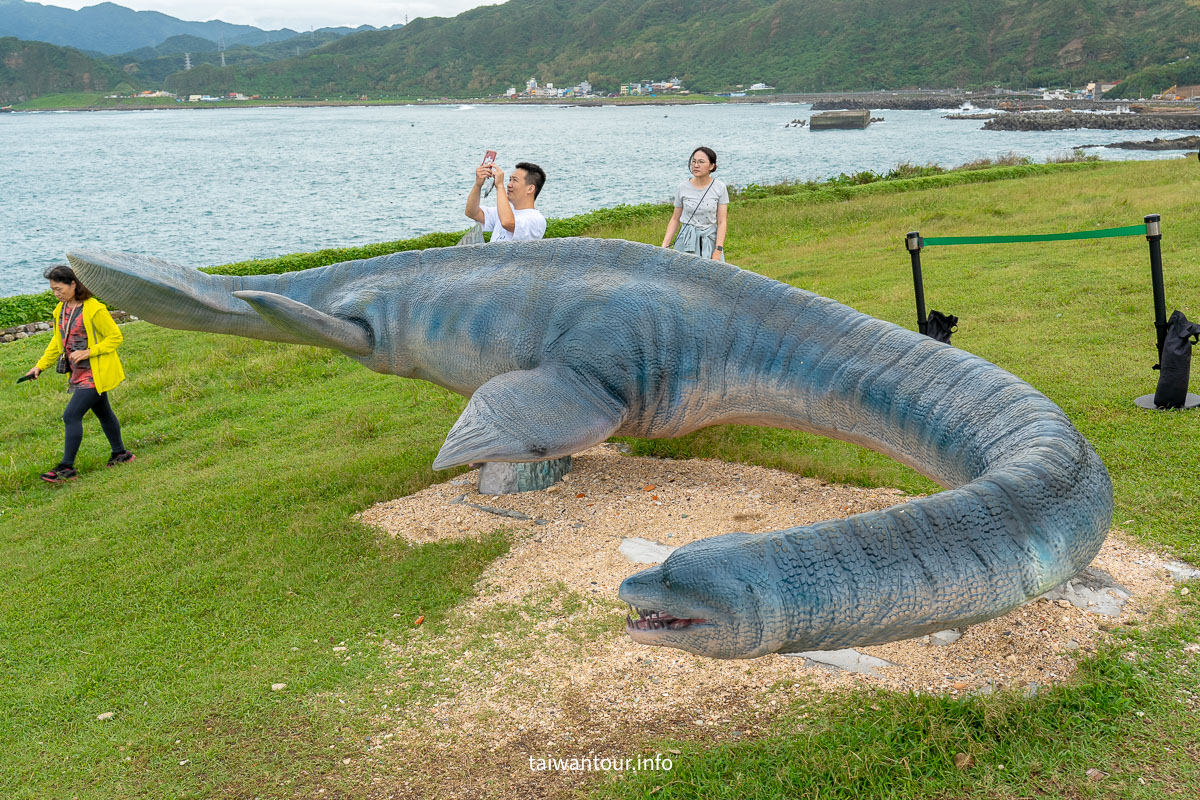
(82, 401)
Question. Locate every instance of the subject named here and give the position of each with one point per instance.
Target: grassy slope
(1075, 319)
(173, 591)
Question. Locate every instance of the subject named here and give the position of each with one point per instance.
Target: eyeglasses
(698, 161)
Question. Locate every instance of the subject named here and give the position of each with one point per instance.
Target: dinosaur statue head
(706, 601)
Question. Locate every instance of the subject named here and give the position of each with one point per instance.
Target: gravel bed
(538, 663)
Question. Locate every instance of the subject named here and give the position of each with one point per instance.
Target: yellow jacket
(103, 336)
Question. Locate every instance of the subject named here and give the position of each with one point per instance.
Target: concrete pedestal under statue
(502, 477)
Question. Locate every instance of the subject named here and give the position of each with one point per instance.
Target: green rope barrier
(1105, 233)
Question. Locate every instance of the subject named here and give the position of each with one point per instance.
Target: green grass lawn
(88, 100)
(175, 591)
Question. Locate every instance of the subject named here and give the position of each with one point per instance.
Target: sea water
(213, 186)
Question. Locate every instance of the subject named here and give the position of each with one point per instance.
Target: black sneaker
(60, 474)
(123, 457)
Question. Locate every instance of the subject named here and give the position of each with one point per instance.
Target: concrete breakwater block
(501, 477)
(840, 120)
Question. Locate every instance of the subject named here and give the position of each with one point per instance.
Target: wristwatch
(722, 249)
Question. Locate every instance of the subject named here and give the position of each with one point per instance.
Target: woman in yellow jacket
(86, 332)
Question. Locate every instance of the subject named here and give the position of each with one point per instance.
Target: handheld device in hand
(26, 377)
(488, 158)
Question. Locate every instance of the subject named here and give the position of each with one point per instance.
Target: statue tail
(175, 296)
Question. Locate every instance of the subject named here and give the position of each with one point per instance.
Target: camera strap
(65, 329)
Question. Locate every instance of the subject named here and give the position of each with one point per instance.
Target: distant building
(760, 87)
(651, 87)
(1096, 89)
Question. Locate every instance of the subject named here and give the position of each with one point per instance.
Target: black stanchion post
(913, 242)
(1154, 237)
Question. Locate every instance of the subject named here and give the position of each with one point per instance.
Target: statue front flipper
(308, 325)
(531, 415)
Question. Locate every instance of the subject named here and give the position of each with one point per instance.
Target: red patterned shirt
(70, 324)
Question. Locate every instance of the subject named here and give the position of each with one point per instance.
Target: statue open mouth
(658, 620)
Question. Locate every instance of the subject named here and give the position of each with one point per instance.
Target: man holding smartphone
(514, 218)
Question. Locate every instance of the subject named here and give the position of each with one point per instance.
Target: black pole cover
(1176, 361)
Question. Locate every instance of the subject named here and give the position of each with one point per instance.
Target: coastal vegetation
(23, 309)
(1157, 78)
(712, 45)
(152, 65)
(172, 594)
(31, 69)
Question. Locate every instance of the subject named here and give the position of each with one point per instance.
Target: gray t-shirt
(687, 197)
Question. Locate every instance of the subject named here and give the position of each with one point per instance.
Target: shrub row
(23, 309)
(26, 308)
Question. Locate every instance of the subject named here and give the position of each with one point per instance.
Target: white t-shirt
(701, 214)
(529, 225)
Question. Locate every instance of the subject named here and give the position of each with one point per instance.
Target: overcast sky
(298, 15)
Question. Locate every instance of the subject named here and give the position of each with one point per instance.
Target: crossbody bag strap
(65, 330)
(698, 202)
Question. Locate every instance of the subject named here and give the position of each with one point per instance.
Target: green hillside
(796, 45)
(152, 65)
(32, 69)
(1154, 79)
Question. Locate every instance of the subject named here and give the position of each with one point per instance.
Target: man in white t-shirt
(514, 217)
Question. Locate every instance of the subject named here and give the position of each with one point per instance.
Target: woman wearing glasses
(85, 333)
(701, 204)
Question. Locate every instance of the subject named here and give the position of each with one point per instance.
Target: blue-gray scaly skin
(562, 344)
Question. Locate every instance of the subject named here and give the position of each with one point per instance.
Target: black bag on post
(940, 326)
(1176, 361)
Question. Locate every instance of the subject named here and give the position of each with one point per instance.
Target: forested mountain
(797, 45)
(1155, 79)
(109, 28)
(152, 65)
(31, 69)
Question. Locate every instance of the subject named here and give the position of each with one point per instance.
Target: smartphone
(24, 378)
(488, 158)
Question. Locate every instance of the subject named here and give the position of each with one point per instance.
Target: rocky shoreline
(1069, 120)
(1181, 143)
(896, 103)
(929, 102)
